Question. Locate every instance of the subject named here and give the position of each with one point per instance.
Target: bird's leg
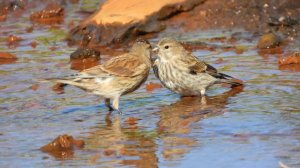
(107, 104)
(116, 104)
(107, 118)
(202, 92)
(203, 98)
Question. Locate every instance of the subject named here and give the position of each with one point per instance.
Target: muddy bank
(122, 23)
(254, 16)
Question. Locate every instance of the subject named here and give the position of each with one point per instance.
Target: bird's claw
(119, 111)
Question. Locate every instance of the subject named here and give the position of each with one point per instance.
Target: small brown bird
(118, 76)
(183, 73)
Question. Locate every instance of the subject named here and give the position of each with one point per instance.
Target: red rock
(5, 55)
(13, 40)
(74, 1)
(290, 67)
(52, 14)
(109, 152)
(294, 58)
(58, 88)
(62, 147)
(113, 22)
(3, 13)
(277, 50)
(35, 87)
(53, 48)
(3, 18)
(132, 120)
(33, 44)
(29, 29)
(239, 51)
(7, 58)
(152, 86)
(60, 143)
(85, 63)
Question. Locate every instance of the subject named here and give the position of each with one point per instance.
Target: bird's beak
(155, 50)
(154, 54)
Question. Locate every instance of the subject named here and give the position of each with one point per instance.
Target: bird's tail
(54, 80)
(229, 80)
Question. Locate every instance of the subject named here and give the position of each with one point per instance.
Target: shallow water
(254, 126)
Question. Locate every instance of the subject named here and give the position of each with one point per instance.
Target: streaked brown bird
(118, 76)
(183, 73)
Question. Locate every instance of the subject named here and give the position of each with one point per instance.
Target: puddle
(254, 126)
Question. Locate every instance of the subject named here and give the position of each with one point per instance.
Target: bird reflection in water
(131, 145)
(174, 126)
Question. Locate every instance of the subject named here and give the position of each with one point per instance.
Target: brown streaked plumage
(118, 76)
(183, 73)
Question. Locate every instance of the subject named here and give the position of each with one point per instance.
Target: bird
(183, 73)
(118, 76)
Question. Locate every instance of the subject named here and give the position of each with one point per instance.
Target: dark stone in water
(81, 53)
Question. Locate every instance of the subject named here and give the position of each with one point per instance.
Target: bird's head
(169, 49)
(141, 47)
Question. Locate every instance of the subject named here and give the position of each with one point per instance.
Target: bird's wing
(193, 65)
(126, 65)
(95, 71)
(196, 66)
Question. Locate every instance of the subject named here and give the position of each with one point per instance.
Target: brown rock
(3, 12)
(84, 58)
(52, 14)
(85, 63)
(62, 147)
(5, 55)
(269, 40)
(58, 88)
(34, 87)
(293, 58)
(116, 23)
(81, 53)
(13, 40)
(33, 44)
(276, 50)
(53, 48)
(132, 120)
(74, 1)
(7, 58)
(29, 29)
(290, 67)
(109, 152)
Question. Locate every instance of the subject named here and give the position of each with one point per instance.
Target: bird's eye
(166, 47)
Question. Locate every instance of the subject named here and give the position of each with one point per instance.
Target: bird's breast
(180, 81)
